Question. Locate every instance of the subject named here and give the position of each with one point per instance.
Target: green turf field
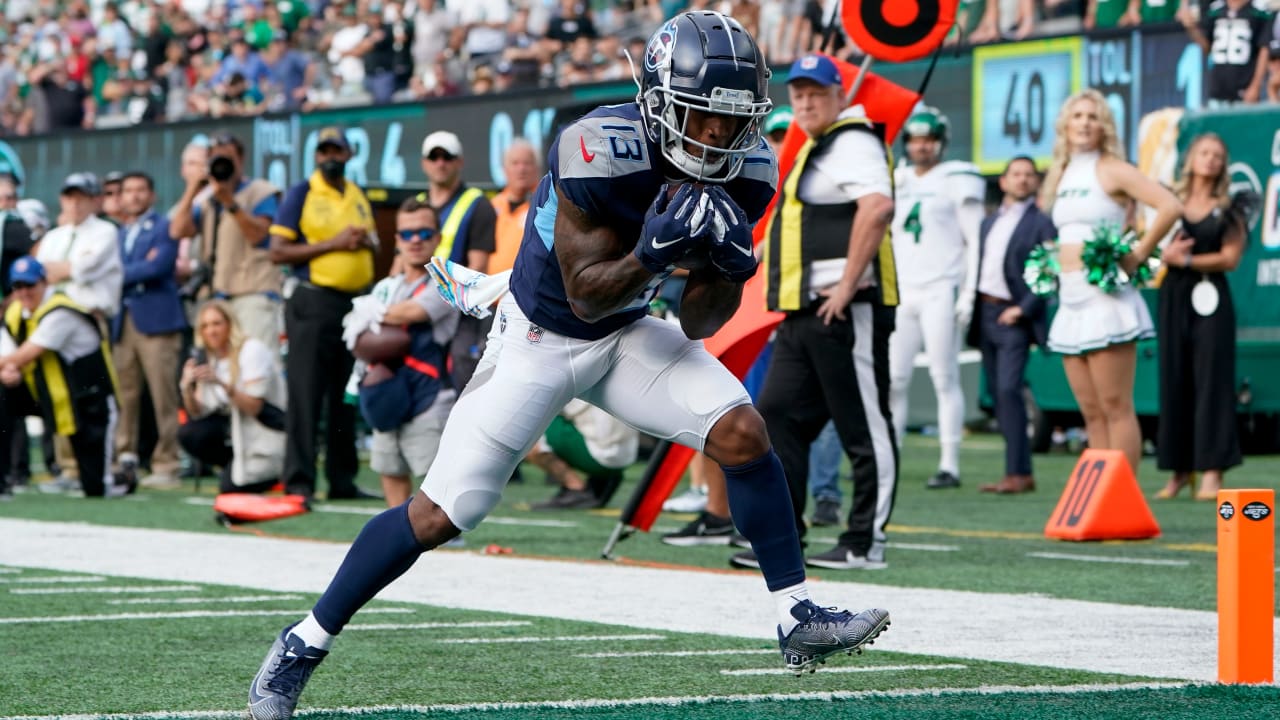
(74, 643)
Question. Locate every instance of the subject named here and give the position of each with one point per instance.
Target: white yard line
(1143, 641)
(1118, 560)
(678, 653)
(368, 511)
(672, 701)
(202, 600)
(108, 589)
(178, 614)
(923, 546)
(437, 625)
(54, 579)
(926, 547)
(848, 669)
(551, 639)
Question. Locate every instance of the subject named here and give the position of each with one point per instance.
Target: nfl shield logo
(534, 335)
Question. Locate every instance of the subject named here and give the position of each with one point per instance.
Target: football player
(604, 232)
(937, 211)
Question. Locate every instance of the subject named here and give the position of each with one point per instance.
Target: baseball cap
(818, 68)
(779, 119)
(113, 177)
(85, 182)
(27, 270)
(443, 140)
(334, 136)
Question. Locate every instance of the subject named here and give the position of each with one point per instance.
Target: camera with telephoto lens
(202, 275)
(221, 168)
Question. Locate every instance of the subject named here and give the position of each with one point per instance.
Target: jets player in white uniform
(603, 233)
(937, 211)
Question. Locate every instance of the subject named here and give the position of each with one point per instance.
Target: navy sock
(761, 507)
(384, 550)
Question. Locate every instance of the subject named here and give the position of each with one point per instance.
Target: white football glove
(366, 314)
(470, 291)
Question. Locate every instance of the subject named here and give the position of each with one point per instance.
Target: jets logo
(659, 50)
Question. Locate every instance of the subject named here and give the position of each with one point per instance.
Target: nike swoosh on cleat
(582, 143)
(659, 245)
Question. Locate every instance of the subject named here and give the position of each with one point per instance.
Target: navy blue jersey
(605, 164)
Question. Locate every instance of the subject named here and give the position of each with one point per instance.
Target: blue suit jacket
(1033, 229)
(150, 292)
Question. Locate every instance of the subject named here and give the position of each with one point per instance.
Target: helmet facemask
(669, 110)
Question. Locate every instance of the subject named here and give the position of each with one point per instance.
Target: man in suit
(148, 331)
(1010, 317)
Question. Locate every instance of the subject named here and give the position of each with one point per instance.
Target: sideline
(1132, 640)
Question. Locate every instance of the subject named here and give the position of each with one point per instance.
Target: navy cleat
(285, 671)
(823, 632)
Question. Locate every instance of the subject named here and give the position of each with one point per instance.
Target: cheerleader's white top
(1081, 205)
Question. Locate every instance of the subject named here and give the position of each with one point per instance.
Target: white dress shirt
(97, 273)
(991, 280)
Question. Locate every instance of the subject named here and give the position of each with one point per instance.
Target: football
(391, 343)
(696, 259)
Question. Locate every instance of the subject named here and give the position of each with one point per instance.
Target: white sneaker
(160, 481)
(690, 501)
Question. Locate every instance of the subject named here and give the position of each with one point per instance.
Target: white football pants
(648, 375)
(927, 316)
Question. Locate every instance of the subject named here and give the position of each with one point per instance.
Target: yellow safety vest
(57, 385)
(449, 231)
(799, 233)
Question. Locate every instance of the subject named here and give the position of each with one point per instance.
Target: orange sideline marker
(1102, 501)
(1246, 586)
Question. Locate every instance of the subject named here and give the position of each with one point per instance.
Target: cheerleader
(1198, 326)
(1088, 186)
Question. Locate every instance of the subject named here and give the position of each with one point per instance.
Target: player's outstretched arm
(709, 300)
(601, 273)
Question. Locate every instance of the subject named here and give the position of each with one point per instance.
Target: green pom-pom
(1041, 270)
(1101, 257)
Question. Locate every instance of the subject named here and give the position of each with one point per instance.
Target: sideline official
(829, 267)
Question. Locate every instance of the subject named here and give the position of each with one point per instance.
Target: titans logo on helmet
(659, 50)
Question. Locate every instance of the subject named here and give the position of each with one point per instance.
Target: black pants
(1004, 362)
(94, 442)
(317, 368)
(1197, 379)
(208, 440)
(837, 372)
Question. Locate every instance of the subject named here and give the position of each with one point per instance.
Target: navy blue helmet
(705, 61)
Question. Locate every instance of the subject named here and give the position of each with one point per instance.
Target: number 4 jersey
(605, 165)
(934, 214)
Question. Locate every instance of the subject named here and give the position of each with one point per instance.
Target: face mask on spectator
(332, 169)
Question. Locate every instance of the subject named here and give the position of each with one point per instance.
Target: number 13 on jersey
(1019, 89)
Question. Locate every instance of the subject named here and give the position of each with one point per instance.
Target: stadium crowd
(100, 63)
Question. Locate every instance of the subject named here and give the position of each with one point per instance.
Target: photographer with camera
(233, 388)
(232, 221)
